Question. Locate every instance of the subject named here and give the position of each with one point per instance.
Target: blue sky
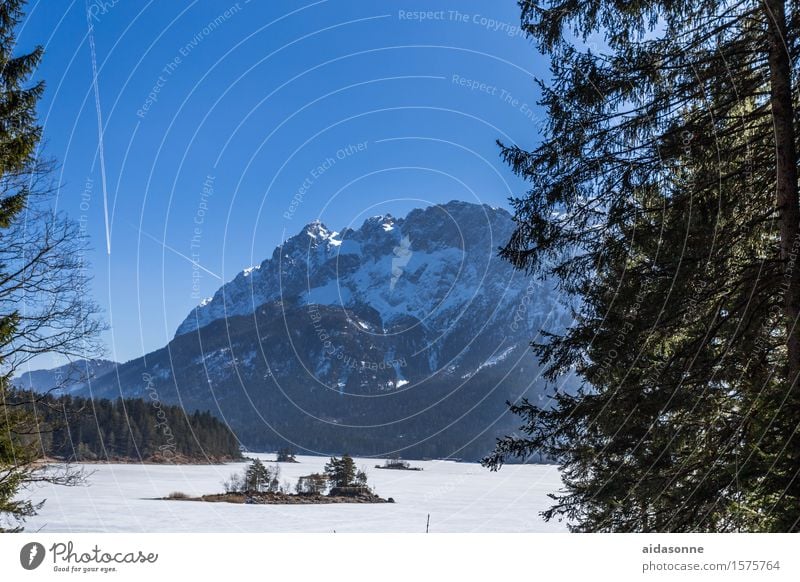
(228, 126)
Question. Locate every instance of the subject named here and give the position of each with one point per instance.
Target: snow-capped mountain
(403, 334)
(432, 266)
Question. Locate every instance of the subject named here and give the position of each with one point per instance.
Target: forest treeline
(81, 429)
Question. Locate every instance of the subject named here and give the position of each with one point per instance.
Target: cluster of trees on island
(397, 464)
(286, 455)
(340, 477)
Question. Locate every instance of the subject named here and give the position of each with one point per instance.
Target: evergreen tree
(663, 200)
(257, 477)
(341, 472)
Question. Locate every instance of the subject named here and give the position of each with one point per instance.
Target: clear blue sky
(229, 125)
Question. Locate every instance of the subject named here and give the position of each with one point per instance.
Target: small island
(286, 456)
(397, 464)
(261, 485)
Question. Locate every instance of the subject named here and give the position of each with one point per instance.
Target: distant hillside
(78, 429)
(66, 379)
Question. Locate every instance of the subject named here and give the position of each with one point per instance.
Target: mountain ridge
(65, 379)
(399, 241)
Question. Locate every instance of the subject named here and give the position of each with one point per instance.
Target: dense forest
(81, 429)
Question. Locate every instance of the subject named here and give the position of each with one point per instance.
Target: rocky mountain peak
(427, 265)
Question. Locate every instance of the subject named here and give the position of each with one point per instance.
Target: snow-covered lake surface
(460, 497)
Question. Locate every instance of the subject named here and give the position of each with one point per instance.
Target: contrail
(180, 254)
(100, 148)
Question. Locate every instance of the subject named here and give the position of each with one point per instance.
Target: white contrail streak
(100, 148)
(180, 254)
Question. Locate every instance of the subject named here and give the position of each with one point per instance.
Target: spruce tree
(341, 472)
(663, 200)
(257, 477)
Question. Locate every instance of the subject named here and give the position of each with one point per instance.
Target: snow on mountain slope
(432, 265)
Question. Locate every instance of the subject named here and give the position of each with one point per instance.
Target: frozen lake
(460, 497)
